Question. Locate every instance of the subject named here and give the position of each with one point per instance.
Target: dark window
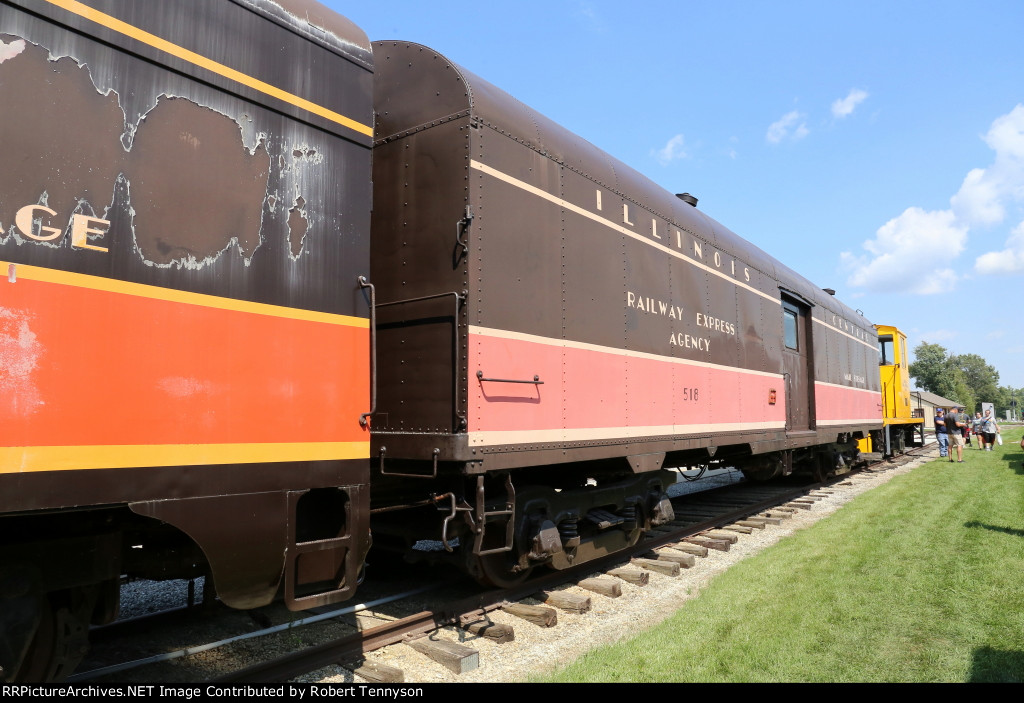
(789, 328)
(885, 351)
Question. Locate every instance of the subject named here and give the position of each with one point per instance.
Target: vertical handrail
(363, 283)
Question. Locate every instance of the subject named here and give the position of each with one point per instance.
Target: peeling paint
(196, 189)
(20, 352)
(57, 167)
(297, 225)
(9, 51)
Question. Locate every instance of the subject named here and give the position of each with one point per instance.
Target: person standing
(976, 424)
(990, 427)
(955, 422)
(940, 433)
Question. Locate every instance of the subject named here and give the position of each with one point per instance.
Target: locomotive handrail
(461, 227)
(536, 379)
(363, 283)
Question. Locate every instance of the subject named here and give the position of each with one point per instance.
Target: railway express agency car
(183, 336)
(554, 329)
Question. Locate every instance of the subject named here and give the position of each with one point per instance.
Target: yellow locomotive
(900, 429)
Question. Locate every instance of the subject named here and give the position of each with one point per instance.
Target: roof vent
(830, 291)
(687, 198)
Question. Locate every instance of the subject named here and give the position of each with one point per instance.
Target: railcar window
(885, 351)
(789, 329)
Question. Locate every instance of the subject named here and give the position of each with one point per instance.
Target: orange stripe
(82, 367)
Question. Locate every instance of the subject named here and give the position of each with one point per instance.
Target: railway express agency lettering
(653, 306)
(714, 323)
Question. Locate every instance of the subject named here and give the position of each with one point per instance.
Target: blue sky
(875, 147)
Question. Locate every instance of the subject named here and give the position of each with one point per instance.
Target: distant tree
(981, 378)
(935, 371)
(965, 378)
(1008, 395)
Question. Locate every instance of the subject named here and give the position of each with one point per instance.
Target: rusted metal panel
(218, 204)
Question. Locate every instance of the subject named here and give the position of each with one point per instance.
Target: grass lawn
(921, 579)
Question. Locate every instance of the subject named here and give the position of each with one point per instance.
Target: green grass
(921, 579)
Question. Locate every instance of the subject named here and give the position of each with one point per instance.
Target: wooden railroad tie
(564, 600)
(537, 614)
(633, 576)
(719, 545)
(494, 631)
(375, 672)
(694, 549)
(769, 519)
(738, 528)
(728, 536)
(754, 522)
(453, 656)
(685, 561)
(603, 586)
(802, 506)
(669, 568)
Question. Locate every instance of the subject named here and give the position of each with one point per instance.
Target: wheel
(62, 638)
(496, 570)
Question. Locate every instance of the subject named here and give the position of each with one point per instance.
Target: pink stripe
(834, 403)
(591, 389)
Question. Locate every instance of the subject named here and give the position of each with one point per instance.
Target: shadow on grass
(995, 528)
(997, 666)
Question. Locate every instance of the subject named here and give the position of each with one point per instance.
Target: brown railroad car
(554, 329)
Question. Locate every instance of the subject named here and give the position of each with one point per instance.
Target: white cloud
(1009, 260)
(985, 194)
(927, 239)
(790, 125)
(844, 107)
(913, 252)
(674, 149)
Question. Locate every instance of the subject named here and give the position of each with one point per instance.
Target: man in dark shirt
(940, 432)
(955, 422)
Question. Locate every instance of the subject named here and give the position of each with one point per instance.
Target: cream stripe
(864, 421)
(197, 59)
(847, 388)
(570, 344)
(869, 345)
(491, 438)
(171, 295)
(32, 459)
(522, 185)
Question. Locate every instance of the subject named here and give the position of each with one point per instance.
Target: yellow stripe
(220, 69)
(112, 285)
(31, 459)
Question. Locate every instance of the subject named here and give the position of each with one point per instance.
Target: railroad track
(706, 522)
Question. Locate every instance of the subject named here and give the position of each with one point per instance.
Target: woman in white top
(990, 428)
